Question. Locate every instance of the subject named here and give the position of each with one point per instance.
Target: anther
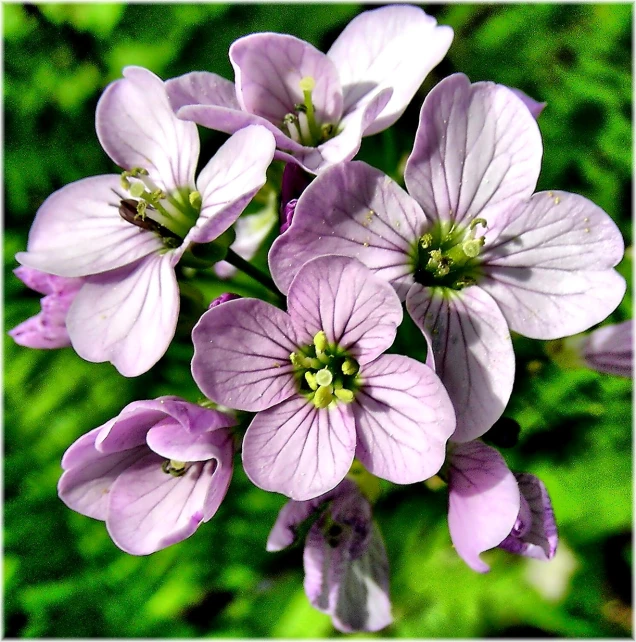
(320, 341)
(344, 395)
(349, 367)
(426, 241)
(311, 380)
(174, 468)
(477, 221)
(195, 199)
(323, 397)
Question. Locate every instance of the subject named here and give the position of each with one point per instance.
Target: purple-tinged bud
(224, 298)
(294, 182)
(288, 215)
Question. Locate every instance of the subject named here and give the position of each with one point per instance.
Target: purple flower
(125, 233)
(48, 328)
(153, 473)
(610, 349)
(319, 106)
(471, 250)
(322, 388)
(488, 506)
(346, 567)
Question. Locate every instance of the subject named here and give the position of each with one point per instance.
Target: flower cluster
(307, 385)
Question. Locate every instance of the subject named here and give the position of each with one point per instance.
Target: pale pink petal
(403, 419)
(201, 88)
(137, 128)
(269, 68)
(299, 450)
(86, 486)
(550, 269)
(230, 180)
(483, 501)
(471, 351)
(127, 316)
(340, 296)
(354, 210)
(610, 349)
(394, 46)
(241, 354)
(150, 509)
(78, 231)
(534, 106)
(477, 152)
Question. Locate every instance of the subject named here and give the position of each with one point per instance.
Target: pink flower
(48, 328)
(346, 567)
(322, 388)
(125, 234)
(319, 106)
(153, 473)
(472, 251)
(488, 506)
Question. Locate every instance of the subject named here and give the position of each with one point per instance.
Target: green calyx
(301, 124)
(170, 215)
(448, 256)
(325, 373)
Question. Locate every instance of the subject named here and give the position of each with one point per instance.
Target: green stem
(240, 263)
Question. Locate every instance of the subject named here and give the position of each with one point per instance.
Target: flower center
(301, 125)
(171, 216)
(448, 256)
(174, 467)
(325, 373)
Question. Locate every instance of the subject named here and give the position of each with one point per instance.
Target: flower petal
(230, 180)
(137, 128)
(241, 354)
(78, 231)
(269, 68)
(550, 269)
(128, 430)
(293, 513)
(610, 349)
(471, 350)
(533, 105)
(483, 501)
(299, 450)
(340, 296)
(127, 316)
(85, 486)
(541, 540)
(477, 152)
(150, 509)
(403, 419)
(354, 210)
(201, 88)
(171, 440)
(394, 46)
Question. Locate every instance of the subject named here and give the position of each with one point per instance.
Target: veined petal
(539, 537)
(354, 210)
(471, 350)
(78, 231)
(230, 180)
(403, 419)
(394, 46)
(128, 430)
(483, 501)
(550, 269)
(269, 68)
(137, 128)
(340, 296)
(299, 450)
(201, 88)
(241, 354)
(477, 152)
(127, 316)
(171, 440)
(534, 106)
(610, 349)
(86, 486)
(150, 509)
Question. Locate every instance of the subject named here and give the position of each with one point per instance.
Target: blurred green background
(64, 577)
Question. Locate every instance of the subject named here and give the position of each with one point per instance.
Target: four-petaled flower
(346, 566)
(319, 106)
(125, 233)
(153, 473)
(322, 388)
(472, 250)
